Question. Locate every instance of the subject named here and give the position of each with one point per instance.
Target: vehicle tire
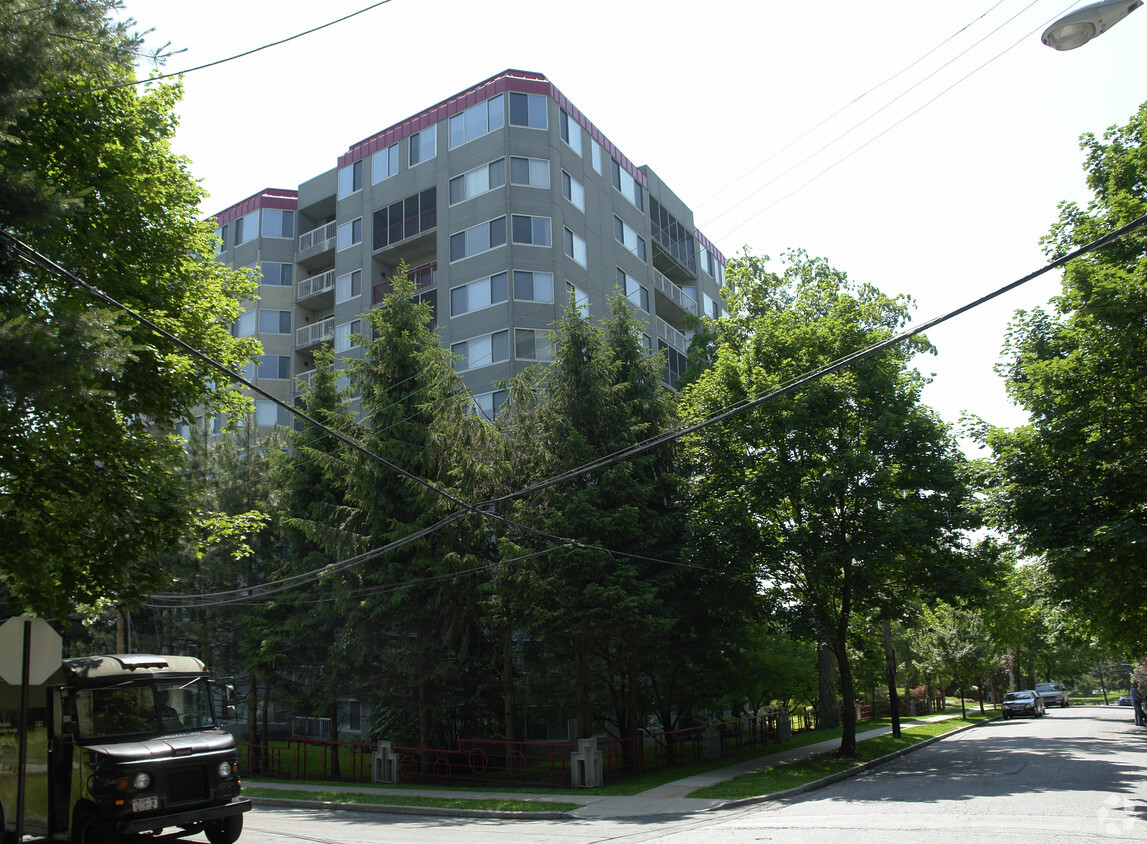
(90, 828)
(226, 831)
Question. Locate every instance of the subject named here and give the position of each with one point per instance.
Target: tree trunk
(828, 715)
(333, 715)
(581, 690)
(890, 672)
(848, 703)
(508, 685)
(253, 719)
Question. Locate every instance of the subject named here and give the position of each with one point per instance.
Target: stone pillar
(586, 765)
(784, 725)
(385, 764)
(711, 742)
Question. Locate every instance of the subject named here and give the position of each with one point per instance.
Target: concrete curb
(843, 775)
(382, 809)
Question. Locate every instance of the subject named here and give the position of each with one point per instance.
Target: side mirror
(229, 712)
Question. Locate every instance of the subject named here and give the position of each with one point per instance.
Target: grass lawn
(781, 777)
(388, 799)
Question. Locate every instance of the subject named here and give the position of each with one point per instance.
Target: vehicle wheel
(226, 831)
(90, 828)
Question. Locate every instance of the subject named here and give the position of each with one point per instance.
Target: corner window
(488, 405)
(573, 190)
(595, 156)
(629, 187)
(247, 228)
(278, 223)
(628, 238)
(580, 300)
(221, 244)
(534, 172)
(534, 231)
(481, 351)
(533, 287)
(477, 121)
(244, 325)
(634, 292)
(570, 131)
(276, 367)
(478, 239)
(276, 274)
(478, 294)
(478, 181)
(274, 322)
(349, 234)
(533, 344)
(528, 110)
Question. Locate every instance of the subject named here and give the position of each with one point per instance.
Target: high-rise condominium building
(502, 200)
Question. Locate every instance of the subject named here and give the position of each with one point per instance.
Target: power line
(132, 83)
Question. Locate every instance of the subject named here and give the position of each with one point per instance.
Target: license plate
(144, 804)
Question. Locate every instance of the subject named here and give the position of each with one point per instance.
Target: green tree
(1072, 484)
(848, 485)
(957, 646)
(88, 494)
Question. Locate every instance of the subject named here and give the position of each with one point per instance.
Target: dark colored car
(1023, 703)
(1052, 693)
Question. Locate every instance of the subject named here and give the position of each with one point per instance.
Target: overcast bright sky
(938, 184)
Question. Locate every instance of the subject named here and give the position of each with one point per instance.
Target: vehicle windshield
(1018, 696)
(1045, 687)
(145, 708)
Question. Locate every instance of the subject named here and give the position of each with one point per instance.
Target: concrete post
(711, 742)
(385, 764)
(586, 765)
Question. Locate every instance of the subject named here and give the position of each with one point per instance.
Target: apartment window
(478, 239)
(477, 120)
(634, 292)
(278, 223)
(534, 231)
(275, 366)
(478, 181)
(481, 351)
(478, 294)
(274, 322)
(266, 413)
(384, 164)
(221, 245)
(423, 146)
(528, 110)
(533, 287)
(533, 344)
(406, 218)
(575, 247)
(570, 131)
(573, 190)
(276, 274)
(490, 405)
(706, 260)
(580, 300)
(247, 228)
(595, 156)
(534, 172)
(350, 179)
(348, 286)
(671, 234)
(709, 307)
(347, 335)
(628, 238)
(630, 188)
(349, 234)
(244, 325)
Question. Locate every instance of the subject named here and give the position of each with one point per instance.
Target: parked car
(1052, 693)
(1023, 703)
(1124, 700)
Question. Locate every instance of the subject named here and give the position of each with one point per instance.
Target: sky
(921, 147)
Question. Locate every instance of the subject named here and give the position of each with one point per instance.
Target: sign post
(40, 651)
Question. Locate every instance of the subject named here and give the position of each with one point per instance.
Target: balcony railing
(303, 380)
(676, 339)
(316, 284)
(315, 333)
(318, 237)
(674, 293)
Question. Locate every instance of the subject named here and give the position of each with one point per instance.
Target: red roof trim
(285, 199)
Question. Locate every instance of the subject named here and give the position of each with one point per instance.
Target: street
(1075, 775)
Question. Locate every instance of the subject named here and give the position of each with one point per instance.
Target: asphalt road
(1075, 775)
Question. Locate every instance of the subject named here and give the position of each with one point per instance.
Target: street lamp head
(1081, 26)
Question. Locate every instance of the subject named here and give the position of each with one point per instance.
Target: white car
(1052, 694)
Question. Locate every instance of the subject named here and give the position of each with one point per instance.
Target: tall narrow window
(423, 146)
(384, 164)
(575, 247)
(350, 179)
(573, 191)
(570, 131)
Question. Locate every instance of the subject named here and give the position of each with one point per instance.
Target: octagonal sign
(46, 651)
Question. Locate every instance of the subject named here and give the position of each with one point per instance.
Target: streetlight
(1081, 26)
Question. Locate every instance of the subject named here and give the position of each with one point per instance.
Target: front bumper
(194, 817)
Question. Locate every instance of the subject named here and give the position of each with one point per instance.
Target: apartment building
(502, 200)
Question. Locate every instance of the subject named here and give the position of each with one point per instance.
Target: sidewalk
(667, 799)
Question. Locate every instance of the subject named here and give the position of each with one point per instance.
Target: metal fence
(484, 762)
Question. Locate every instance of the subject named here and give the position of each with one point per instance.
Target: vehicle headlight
(224, 770)
(142, 780)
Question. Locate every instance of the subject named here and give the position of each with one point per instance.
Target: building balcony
(315, 333)
(322, 285)
(663, 285)
(303, 380)
(676, 339)
(316, 244)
